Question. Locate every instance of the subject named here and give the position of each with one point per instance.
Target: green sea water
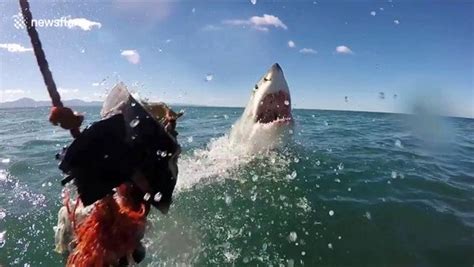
(349, 189)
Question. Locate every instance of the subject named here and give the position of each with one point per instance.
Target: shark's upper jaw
(272, 96)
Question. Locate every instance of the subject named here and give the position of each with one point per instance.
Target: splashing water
(217, 161)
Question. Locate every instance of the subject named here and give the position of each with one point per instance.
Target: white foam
(227, 153)
(214, 162)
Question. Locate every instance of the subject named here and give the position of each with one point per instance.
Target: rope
(72, 120)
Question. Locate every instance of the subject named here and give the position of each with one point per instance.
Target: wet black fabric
(100, 159)
(109, 152)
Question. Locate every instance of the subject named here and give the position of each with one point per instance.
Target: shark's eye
(266, 79)
(256, 87)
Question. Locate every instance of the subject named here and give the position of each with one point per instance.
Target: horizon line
(232, 106)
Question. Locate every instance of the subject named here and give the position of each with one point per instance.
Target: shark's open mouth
(274, 108)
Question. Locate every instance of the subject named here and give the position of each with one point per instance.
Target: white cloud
(11, 94)
(342, 49)
(15, 48)
(99, 96)
(210, 28)
(13, 91)
(291, 44)
(131, 55)
(373, 13)
(259, 23)
(396, 21)
(83, 23)
(67, 91)
(308, 51)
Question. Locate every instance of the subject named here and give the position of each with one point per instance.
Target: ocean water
(349, 189)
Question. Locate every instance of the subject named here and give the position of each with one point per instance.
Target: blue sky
(422, 51)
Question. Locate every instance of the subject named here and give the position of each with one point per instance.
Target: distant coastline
(31, 103)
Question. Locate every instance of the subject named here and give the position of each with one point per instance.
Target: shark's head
(267, 116)
(270, 102)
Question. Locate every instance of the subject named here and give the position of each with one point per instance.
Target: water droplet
(264, 246)
(296, 160)
(163, 154)
(209, 77)
(292, 175)
(331, 213)
(157, 197)
(254, 197)
(318, 163)
(337, 180)
(228, 200)
(190, 139)
(287, 102)
(398, 143)
(133, 104)
(226, 117)
(292, 237)
(349, 189)
(396, 21)
(340, 166)
(255, 178)
(146, 197)
(134, 123)
(2, 238)
(3, 214)
(368, 215)
(303, 253)
(329, 245)
(290, 131)
(254, 2)
(326, 123)
(339, 237)
(5, 160)
(50, 184)
(106, 156)
(394, 175)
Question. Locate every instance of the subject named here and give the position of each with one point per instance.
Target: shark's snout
(276, 67)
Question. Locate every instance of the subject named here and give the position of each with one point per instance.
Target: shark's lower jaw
(274, 108)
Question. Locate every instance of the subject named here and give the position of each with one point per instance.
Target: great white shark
(267, 119)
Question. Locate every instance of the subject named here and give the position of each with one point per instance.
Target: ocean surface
(349, 189)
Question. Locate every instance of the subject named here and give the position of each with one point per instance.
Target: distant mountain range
(28, 103)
